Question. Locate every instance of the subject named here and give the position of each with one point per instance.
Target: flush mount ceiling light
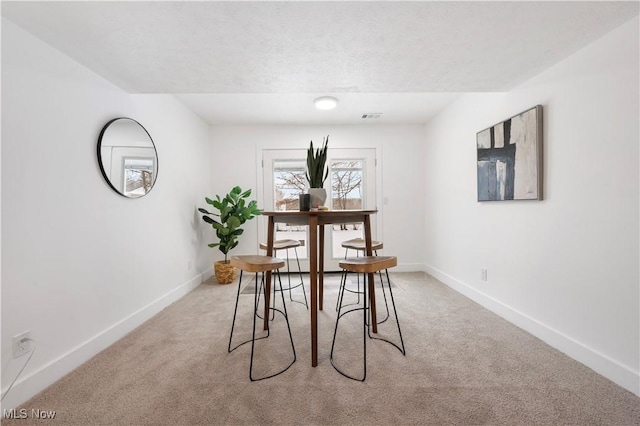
(325, 102)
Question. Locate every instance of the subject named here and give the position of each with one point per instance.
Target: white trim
(602, 364)
(28, 386)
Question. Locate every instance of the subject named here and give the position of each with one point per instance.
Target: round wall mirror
(127, 157)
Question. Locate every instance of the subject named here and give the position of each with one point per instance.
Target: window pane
(289, 179)
(346, 194)
(346, 185)
(289, 182)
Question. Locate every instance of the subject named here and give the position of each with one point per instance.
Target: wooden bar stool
(256, 263)
(360, 246)
(366, 265)
(287, 245)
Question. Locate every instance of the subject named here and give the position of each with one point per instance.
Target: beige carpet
(464, 366)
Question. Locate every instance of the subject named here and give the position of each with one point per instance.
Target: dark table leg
(321, 268)
(371, 276)
(267, 284)
(313, 278)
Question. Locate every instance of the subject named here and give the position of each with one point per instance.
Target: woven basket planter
(225, 273)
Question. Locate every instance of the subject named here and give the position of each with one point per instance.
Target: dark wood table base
(315, 220)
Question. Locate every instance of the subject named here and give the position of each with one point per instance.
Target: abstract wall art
(510, 158)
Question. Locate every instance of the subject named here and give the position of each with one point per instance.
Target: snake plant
(316, 172)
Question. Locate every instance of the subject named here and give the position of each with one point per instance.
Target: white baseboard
(600, 363)
(28, 386)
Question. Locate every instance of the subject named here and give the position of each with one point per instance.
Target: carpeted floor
(464, 366)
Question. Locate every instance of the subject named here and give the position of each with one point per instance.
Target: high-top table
(316, 220)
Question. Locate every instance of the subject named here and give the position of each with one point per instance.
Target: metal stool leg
(343, 279)
(384, 295)
(301, 284)
(273, 299)
(235, 311)
(367, 266)
(364, 309)
(286, 317)
(304, 293)
(401, 348)
(343, 282)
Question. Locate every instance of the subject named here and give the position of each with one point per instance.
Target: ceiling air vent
(372, 115)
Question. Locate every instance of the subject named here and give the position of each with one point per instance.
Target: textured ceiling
(265, 61)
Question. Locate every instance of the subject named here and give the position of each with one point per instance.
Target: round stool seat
(360, 244)
(282, 244)
(256, 263)
(368, 264)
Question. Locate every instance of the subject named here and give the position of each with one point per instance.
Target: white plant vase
(318, 196)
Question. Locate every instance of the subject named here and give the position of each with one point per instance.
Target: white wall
(235, 161)
(565, 268)
(82, 265)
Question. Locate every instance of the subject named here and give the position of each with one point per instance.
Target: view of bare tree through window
(346, 181)
(290, 182)
(346, 185)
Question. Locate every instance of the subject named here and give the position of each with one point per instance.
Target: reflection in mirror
(127, 157)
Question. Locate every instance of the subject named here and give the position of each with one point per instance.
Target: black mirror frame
(101, 164)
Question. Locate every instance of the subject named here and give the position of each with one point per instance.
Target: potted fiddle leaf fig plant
(317, 173)
(233, 210)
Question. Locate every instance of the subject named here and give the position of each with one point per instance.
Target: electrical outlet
(483, 274)
(21, 344)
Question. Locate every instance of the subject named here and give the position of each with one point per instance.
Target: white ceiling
(264, 62)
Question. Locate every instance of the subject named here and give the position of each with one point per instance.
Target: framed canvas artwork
(510, 158)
